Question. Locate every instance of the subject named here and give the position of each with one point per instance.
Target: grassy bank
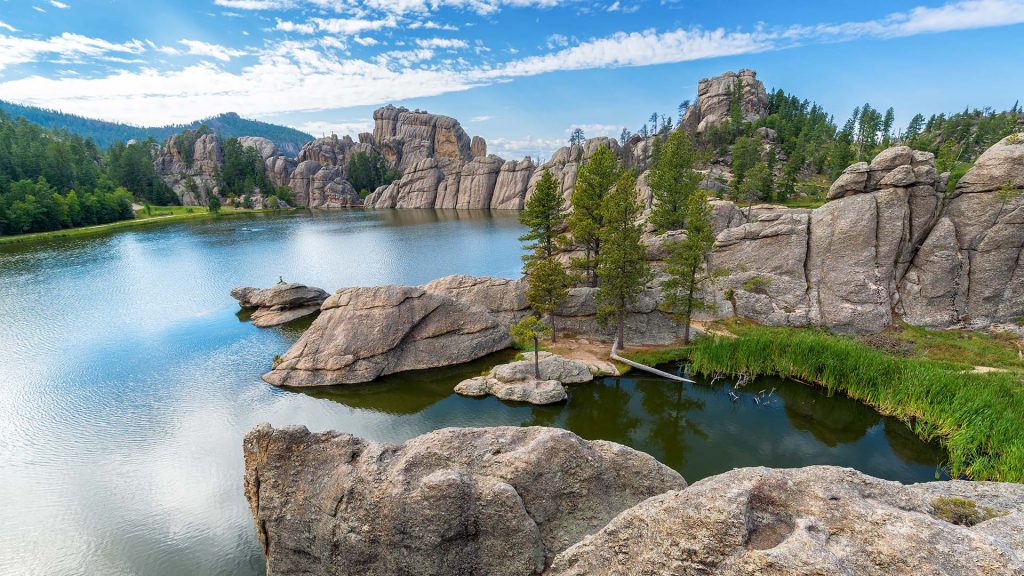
(979, 417)
(158, 214)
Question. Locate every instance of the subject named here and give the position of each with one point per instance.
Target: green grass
(159, 214)
(979, 418)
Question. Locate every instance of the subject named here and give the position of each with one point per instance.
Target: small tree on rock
(548, 285)
(623, 270)
(686, 265)
(530, 329)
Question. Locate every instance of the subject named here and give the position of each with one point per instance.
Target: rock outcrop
(407, 137)
(715, 96)
(815, 520)
(195, 178)
(364, 333)
(495, 501)
(280, 303)
(970, 267)
(518, 382)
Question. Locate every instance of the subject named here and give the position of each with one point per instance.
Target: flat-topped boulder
(815, 520)
(365, 333)
(518, 382)
(496, 501)
(280, 303)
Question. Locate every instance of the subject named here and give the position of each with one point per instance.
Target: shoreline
(136, 222)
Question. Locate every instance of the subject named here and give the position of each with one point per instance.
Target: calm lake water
(129, 378)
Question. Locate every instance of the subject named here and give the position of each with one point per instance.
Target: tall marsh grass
(978, 417)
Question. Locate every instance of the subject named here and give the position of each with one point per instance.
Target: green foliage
(1006, 194)
(745, 154)
(547, 287)
(756, 186)
(369, 171)
(686, 266)
(214, 204)
(673, 180)
(757, 285)
(243, 172)
(623, 269)
(976, 416)
(961, 511)
(544, 216)
(131, 166)
(593, 181)
(185, 142)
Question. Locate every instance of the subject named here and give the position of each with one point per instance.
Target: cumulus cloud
(199, 48)
(342, 26)
(328, 127)
(395, 7)
(536, 148)
(450, 43)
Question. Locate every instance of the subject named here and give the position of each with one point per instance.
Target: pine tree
(623, 269)
(530, 330)
(543, 215)
(745, 153)
(673, 179)
(593, 181)
(686, 266)
(547, 287)
(756, 185)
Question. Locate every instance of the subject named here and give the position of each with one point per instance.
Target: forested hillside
(229, 125)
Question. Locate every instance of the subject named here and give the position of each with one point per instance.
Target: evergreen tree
(745, 153)
(543, 215)
(593, 182)
(673, 179)
(214, 204)
(756, 186)
(547, 287)
(623, 269)
(687, 264)
(530, 330)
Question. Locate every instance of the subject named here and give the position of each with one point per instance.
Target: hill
(230, 125)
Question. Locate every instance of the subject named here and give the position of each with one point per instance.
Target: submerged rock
(279, 304)
(815, 520)
(489, 501)
(517, 381)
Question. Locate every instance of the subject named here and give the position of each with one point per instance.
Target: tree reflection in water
(669, 426)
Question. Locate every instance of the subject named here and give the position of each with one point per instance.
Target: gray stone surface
(280, 303)
(807, 521)
(494, 501)
(714, 96)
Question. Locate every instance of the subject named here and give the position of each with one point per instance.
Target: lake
(129, 378)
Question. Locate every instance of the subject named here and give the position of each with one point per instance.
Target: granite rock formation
(715, 95)
(815, 520)
(518, 382)
(495, 501)
(364, 333)
(280, 303)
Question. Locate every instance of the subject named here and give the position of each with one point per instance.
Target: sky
(520, 73)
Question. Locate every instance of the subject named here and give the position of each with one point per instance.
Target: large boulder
(715, 96)
(408, 137)
(417, 188)
(510, 187)
(364, 333)
(192, 177)
(280, 303)
(494, 501)
(810, 521)
(266, 148)
(968, 270)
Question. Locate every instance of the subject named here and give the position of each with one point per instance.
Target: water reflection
(129, 379)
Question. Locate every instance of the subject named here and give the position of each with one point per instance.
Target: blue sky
(521, 73)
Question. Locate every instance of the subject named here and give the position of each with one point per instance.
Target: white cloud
(291, 76)
(592, 130)
(450, 43)
(342, 26)
(39, 9)
(200, 48)
(60, 5)
(366, 41)
(483, 118)
(254, 4)
(7, 26)
(557, 41)
(286, 26)
(393, 7)
(67, 46)
(537, 148)
(342, 127)
(614, 7)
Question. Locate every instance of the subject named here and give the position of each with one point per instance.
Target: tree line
(598, 243)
